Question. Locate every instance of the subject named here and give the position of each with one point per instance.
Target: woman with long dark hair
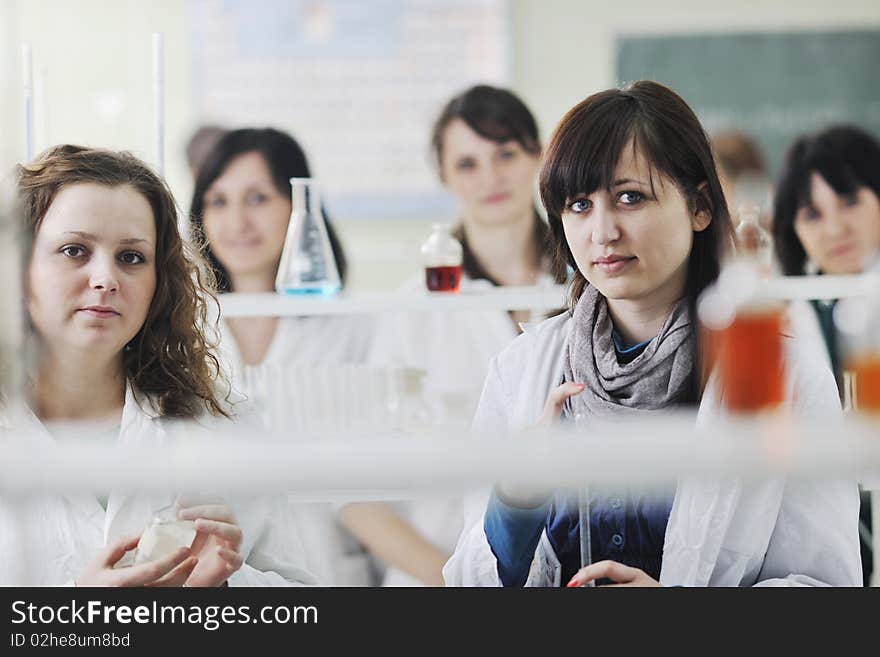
(240, 212)
(636, 209)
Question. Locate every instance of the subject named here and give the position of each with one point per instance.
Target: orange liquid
(867, 385)
(443, 279)
(751, 363)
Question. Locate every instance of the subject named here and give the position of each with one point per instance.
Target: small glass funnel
(307, 263)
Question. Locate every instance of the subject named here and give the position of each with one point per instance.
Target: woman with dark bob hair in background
(636, 208)
(240, 211)
(827, 221)
(486, 149)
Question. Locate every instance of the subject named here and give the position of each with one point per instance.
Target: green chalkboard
(774, 86)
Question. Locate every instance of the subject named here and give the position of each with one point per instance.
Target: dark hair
(200, 144)
(475, 270)
(500, 116)
(583, 155)
(493, 113)
(170, 359)
(845, 156)
(285, 159)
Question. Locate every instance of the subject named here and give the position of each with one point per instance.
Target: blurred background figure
(487, 151)
(240, 211)
(200, 144)
(827, 221)
(486, 148)
(743, 173)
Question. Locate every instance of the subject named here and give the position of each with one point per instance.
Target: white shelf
(806, 288)
(637, 451)
(497, 298)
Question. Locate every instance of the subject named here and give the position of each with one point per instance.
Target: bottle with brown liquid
(442, 256)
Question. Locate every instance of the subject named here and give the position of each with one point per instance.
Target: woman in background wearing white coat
(117, 312)
(240, 211)
(827, 221)
(487, 151)
(635, 205)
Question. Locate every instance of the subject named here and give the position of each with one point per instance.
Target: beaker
(164, 535)
(743, 331)
(307, 265)
(442, 257)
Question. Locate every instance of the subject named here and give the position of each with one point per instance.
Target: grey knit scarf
(655, 379)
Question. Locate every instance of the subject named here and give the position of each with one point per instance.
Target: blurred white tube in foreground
(381, 466)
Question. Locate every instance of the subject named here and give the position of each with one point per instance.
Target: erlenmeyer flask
(307, 263)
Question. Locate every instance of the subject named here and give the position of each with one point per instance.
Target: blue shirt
(626, 528)
(626, 354)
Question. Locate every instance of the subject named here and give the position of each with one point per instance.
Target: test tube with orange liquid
(858, 320)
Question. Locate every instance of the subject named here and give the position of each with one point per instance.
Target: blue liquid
(326, 290)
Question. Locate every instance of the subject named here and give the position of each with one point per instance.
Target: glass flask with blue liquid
(307, 264)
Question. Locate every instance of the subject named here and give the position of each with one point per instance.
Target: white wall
(93, 64)
(92, 68)
(10, 88)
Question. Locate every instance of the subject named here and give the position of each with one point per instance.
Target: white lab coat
(454, 350)
(720, 533)
(803, 324)
(306, 342)
(49, 539)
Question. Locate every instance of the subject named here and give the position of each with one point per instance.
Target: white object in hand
(163, 537)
